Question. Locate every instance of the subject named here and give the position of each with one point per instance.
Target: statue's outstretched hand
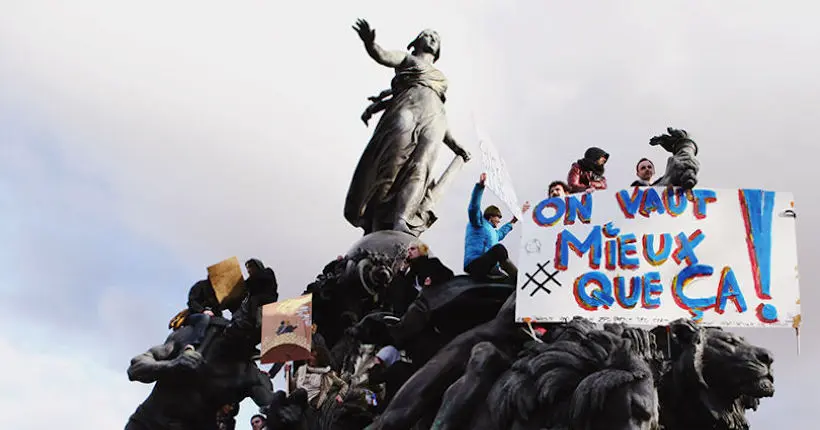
(669, 140)
(464, 154)
(364, 31)
(188, 359)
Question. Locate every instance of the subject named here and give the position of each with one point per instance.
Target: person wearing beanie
(483, 254)
(588, 172)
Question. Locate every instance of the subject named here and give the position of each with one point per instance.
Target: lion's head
(587, 379)
(713, 377)
(733, 367)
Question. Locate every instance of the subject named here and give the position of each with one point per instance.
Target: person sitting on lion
(420, 271)
(423, 271)
(483, 254)
(202, 306)
(262, 289)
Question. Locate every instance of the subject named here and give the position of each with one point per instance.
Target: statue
(467, 364)
(191, 387)
(392, 187)
(713, 377)
(596, 381)
(420, 397)
(683, 166)
(466, 394)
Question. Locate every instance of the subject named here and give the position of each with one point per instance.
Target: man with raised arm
(483, 254)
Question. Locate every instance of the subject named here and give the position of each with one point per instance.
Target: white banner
(652, 255)
(498, 178)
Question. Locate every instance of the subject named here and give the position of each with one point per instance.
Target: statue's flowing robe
(403, 147)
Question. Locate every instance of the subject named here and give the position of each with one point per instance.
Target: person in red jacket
(588, 172)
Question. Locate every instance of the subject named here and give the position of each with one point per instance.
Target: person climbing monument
(318, 378)
(423, 271)
(557, 189)
(587, 174)
(202, 306)
(420, 270)
(261, 289)
(644, 170)
(483, 254)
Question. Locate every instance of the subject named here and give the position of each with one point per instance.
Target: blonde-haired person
(418, 271)
(404, 295)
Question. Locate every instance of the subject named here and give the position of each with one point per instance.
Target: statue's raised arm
(382, 56)
(683, 166)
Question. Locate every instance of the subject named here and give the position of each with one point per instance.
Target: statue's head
(735, 368)
(427, 41)
(723, 372)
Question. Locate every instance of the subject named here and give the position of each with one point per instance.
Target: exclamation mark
(757, 207)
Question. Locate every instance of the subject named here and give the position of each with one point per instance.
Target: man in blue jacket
(483, 254)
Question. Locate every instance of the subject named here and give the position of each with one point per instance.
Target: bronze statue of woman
(392, 187)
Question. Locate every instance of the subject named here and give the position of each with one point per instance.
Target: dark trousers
(481, 266)
(200, 323)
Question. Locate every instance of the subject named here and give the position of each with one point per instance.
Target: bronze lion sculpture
(714, 376)
(586, 379)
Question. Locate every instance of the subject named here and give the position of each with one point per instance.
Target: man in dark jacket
(413, 331)
(421, 271)
(261, 289)
(202, 305)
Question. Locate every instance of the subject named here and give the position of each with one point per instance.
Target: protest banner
(498, 178)
(227, 280)
(652, 255)
(287, 330)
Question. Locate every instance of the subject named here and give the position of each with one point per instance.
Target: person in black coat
(261, 289)
(202, 306)
(421, 271)
(413, 332)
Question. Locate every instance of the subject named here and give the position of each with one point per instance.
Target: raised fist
(669, 140)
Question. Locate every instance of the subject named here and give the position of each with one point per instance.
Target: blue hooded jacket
(480, 235)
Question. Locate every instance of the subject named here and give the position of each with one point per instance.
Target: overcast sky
(142, 142)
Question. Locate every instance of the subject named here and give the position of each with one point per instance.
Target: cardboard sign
(498, 178)
(653, 255)
(227, 280)
(287, 330)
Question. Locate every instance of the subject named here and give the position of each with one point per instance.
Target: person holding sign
(483, 254)
(588, 172)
